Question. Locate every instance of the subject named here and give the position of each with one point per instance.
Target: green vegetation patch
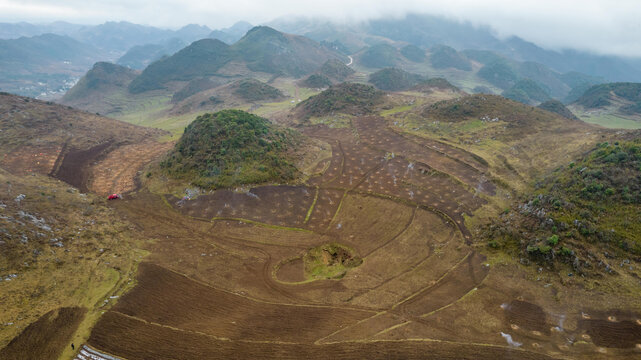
(102, 77)
(232, 147)
(435, 83)
(393, 79)
(254, 90)
(330, 261)
(591, 206)
(200, 59)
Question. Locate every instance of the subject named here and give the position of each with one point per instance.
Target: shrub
(565, 252)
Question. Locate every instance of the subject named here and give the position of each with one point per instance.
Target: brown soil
(76, 164)
(527, 315)
(165, 297)
(31, 159)
(291, 271)
(612, 334)
(443, 158)
(454, 285)
(276, 205)
(136, 339)
(118, 170)
(324, 209)
(45, 338)
(209, 288)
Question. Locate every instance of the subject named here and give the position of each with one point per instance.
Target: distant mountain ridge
(416, 29)
(140, 56)
(42, 50)
(262, 49)
(231, 34)
(429, 30)
(44, 64)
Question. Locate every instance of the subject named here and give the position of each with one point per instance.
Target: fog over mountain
(599, 26)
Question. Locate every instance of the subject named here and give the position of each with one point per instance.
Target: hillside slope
(54, 232)
(582, 215)
(519, 142)
(50, 139)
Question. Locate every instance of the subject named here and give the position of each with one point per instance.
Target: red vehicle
(114, 197)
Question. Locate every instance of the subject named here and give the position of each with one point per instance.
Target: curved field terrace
(229, 274)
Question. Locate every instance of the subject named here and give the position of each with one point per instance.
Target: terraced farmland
(371, 256)
(226, 274)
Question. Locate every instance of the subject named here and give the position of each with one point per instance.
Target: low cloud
(600, 26)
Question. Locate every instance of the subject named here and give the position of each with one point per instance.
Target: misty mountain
(192, 32)
(262, 49)
(28, 53)
(427, 31)
(140, 56)
(121, 36)
(17, 30)
(609, 67)
(116, 37)
(380, 56)
(528, 92)
(442, 57)
(43, 64)
(231, 34)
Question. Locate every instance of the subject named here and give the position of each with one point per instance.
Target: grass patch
(330, 261)
(611, 121)
(334, 121)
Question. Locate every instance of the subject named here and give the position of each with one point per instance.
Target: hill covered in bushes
(586, 210)
(232, 147)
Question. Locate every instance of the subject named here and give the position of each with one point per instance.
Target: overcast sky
(602, 26)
